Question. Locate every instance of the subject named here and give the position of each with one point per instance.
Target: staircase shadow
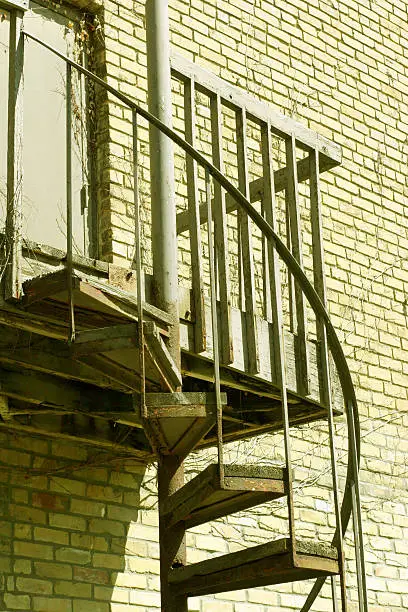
(71, 532)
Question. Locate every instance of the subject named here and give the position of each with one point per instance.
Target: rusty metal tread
(266, 564)
(205, 499)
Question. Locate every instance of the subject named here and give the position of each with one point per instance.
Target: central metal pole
(164, 236)
(164, 248)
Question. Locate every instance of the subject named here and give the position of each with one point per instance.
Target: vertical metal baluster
(356, 508)
(138, 262)
(71, 335)
(214, 320)
(334, 593)
(12, 285)
(325, 391)
(276, 304)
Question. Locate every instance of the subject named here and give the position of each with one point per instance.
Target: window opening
(44, 142)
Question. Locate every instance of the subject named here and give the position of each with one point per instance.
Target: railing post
(325, 388)
(68, 153)
(12, 288)
(214, 319)
(356, 509)
(164, 248)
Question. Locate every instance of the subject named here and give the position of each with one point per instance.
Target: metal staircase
(131, 342)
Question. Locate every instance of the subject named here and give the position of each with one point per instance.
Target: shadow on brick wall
(72, 538)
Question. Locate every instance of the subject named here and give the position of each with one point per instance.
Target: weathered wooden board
(205, 499)
(126, 449)
(90, 293)
(118, 369)
(256, 192)
(269, 563)
(194, 219)
(281, 124)
(265, 343)
(240, 363)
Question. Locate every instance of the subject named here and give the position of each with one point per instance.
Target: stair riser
(268, 571)
(240, 504)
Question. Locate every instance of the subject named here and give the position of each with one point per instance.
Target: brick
(23, 531)
(131, 547)
(118, 607)
(22, 566)
(26, 513)
(87, 508)
(51, 604)
(122, 479)
(66, 521)
(20, 496)
(91, 606)
(121, 513)
(69, 451)
(12, 457)
(64, 587)
(73, 555)
(282, 52)
(6, 529)
(150, 600)
(114, 528)
(37, 551)
(130, 580)
(113, 494)
(89, 574)
(143, 565)
(53, 570)
(5, 565)
(68, 486)
(33, 585)
(31, 444)
(211, 543)
(109, 561)
(50, 535)
(50, 501)
(84, 540)
(17, 602)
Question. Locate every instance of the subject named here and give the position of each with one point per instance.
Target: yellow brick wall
(72, 537)
(341, 68)
(78, 532)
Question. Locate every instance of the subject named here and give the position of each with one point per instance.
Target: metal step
(179, 421)
(267, 564)
(203, 499)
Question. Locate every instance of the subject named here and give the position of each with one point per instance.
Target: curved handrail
(292, 264)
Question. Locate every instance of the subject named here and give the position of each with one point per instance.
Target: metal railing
(276, 248)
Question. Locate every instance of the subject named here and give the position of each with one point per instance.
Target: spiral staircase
(168, 383)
